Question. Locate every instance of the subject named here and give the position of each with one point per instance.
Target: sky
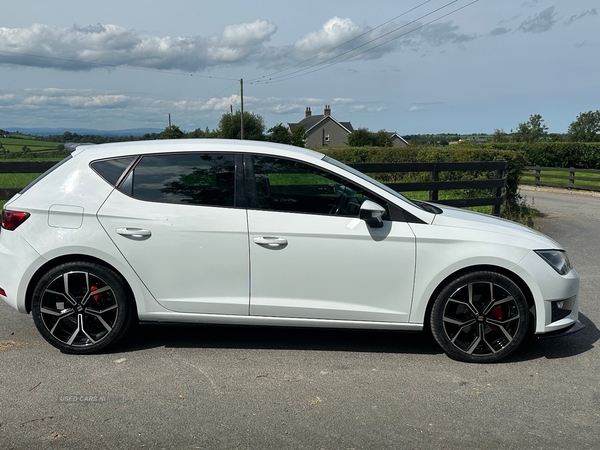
(410, 66)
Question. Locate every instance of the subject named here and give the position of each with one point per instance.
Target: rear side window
(191, 179)
(112, 169)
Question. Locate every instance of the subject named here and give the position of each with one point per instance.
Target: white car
(234, 232)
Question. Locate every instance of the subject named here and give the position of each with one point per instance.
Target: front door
(312, 257)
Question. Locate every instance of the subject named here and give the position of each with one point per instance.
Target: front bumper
(575, 328)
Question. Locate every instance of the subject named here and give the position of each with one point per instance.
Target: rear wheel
(480, 317)
(82, 307)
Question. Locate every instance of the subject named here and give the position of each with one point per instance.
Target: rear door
(178, 222)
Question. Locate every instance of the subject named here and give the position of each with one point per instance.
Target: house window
(326, 138)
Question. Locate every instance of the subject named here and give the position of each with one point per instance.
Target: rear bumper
(17, 260)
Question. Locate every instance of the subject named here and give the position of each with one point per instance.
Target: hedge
(579, 155)
(516, 162)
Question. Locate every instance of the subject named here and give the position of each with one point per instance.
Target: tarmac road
(234, 387)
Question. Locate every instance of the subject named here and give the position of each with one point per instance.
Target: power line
(289, 75)
(226, 89)
(115, 66)
(342, 44)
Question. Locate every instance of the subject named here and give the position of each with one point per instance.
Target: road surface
(234, 387)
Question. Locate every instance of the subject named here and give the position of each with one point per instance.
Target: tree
(171, 132)
(230, 126)
(362, 137)
(586, 128)
(200, 133)
(500, 136)
(382, 139)
(531, 131)
(298, 135)
(279, 134)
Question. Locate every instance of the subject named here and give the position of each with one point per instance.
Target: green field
(547, 176)
(35, 145)
(15, 180)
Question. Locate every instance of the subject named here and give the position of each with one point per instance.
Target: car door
(312, 257)
(177, 222)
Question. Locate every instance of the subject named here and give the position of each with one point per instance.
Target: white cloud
(92, 108)
(81, 48)
(443, 33)
(334, 32)
(499, 31)
(540, 23)
(422, 106)
(589, 12)
(342, 100)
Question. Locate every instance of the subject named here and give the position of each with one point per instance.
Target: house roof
(393, 134)
(311, 122)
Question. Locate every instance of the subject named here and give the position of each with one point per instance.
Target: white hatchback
(233, 232)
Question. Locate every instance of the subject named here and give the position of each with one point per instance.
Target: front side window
(292, 186)
(192, 179)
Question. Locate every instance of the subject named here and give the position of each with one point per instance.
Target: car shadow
(560, 347)
(147, 336)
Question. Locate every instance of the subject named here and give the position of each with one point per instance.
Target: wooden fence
(21, 167)
(566, 178)
(497, 184)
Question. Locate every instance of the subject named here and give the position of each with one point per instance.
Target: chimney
(327, 111)
(307, 113)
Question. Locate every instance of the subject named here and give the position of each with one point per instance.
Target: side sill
(274, 321)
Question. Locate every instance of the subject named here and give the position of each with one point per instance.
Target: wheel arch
(481, 268)
(72, 258)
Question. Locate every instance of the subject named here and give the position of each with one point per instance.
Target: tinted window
(112, 169)
(286, 185)
(194, 179)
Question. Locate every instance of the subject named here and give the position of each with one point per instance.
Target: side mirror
(372, 213)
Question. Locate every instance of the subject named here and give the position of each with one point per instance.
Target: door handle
(271, 242)
(134, 232)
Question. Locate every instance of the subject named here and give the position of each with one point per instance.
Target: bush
(579, 155)
(516, 161)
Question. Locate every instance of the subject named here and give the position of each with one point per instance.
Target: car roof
(188, 145)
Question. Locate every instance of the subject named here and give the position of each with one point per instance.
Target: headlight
(557, 259)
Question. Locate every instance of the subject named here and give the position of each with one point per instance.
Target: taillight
(12, 219)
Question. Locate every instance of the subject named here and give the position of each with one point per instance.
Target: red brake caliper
(95, 297)
(497, 314)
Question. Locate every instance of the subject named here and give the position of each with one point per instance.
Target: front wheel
(480, 317)
(81, 307)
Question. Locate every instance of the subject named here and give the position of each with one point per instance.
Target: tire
(480, 317)
(82, 307)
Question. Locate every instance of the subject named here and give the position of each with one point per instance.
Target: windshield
(370, 180)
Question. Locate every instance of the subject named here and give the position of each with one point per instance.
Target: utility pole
(169, 120)
(242, 103)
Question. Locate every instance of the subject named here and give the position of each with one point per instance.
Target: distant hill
(82, 131)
